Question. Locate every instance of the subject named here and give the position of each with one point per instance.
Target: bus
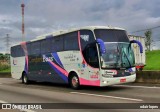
(91, 55)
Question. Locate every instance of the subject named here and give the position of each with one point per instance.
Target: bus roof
(61, 32)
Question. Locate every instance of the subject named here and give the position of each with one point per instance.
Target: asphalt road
(13, 91)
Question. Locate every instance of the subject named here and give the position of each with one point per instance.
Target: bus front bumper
(117, 80)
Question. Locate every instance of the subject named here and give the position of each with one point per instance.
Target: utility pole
(23, 33)
(7, 43)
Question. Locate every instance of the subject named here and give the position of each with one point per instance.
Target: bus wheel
(74, 82)
(25, 78)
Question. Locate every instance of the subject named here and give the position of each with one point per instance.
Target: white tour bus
(93, 55)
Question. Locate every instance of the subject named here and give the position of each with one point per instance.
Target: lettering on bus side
(35, 60)
(71, 57)
(95, 75)
(46, 59)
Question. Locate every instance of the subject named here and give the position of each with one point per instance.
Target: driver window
(92, 59)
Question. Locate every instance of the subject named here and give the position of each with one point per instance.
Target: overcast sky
(44, 16)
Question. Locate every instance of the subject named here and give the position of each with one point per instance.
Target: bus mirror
(139, 44)
(100, 42)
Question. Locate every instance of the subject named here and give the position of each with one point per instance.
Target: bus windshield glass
(119, 53)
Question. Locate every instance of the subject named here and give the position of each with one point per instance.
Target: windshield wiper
(120, 54)
(127, 58)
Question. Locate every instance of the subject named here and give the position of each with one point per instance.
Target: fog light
(104, 82)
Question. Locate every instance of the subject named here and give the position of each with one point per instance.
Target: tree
(2, 57)
(148, 41)
(1, 54)
(7, 56)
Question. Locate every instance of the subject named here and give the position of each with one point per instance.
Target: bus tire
(74, 81)
(25, 78)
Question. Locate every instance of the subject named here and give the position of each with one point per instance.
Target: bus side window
(29, 48)
(13, 53)
(86, 38)
(42, 46)
(35, 48)
(71, 41)
(17, 51)
(45, 46)
(92, 56)
(57, 44)
(90, 53)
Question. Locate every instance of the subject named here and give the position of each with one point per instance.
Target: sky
(45, 16)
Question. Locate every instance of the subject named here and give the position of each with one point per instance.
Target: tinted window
(71, 41)
(87, 37)
(91, 56)
(35, 47)
(17, 51)
(29, 48)
(57, 44)
(110, 35)
(45, 46)
(13, 53)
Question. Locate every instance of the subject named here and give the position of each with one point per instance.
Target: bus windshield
(119, 53)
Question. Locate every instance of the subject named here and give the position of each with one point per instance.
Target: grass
(4, 66)
(152, 60)
(6, 70)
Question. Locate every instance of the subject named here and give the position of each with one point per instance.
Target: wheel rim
(75, 81)
(25, 79)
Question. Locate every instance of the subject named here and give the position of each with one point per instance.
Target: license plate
(122, 80)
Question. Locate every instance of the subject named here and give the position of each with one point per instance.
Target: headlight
(132, 73)
(107, 75)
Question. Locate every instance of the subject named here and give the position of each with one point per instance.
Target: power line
(146, 29)
(7, 43)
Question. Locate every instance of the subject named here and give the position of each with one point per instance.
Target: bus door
(91, 57)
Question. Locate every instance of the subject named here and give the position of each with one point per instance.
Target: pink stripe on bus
(89, 82)
(59, 68)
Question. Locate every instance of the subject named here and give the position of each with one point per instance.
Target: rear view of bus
(93, 56)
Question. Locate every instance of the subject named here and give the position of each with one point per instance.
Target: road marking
(23, 110)
(106, 96)
(153, 87)
(1, 101)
